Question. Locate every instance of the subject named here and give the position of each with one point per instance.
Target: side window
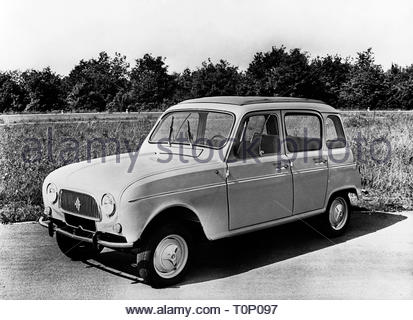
(303, 132)
(260, 136)
(255, 125)
(335, 137)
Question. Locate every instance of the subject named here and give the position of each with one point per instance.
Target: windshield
(200, 128)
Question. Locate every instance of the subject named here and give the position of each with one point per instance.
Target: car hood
(116, 173)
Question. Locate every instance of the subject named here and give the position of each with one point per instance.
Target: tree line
(108, 83)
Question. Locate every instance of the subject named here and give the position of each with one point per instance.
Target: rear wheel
(337, 217)
(163, 257)
(75, 249)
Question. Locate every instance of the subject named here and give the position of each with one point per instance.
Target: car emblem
(77, 204)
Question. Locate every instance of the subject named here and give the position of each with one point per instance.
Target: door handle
(279, 166)
(319, 160)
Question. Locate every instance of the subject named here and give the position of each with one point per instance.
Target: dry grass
(389, 183)
(21, 181)
(70, 117)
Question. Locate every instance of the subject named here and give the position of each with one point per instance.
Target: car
(210, 168)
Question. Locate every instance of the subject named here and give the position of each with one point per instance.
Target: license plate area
(75, 221)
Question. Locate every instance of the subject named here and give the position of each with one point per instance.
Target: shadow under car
(231, 256)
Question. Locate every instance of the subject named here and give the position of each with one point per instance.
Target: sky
(59, 33)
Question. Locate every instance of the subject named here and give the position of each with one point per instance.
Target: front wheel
(163, 257)
(337, 216)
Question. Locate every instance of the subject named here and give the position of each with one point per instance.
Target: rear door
(259, 181)
(309, 162)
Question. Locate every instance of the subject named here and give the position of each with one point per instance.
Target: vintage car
(211, 167)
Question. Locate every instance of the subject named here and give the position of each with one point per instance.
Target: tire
(337, 217)
(164, 255)
(75, 249)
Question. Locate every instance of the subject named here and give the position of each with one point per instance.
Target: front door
(303, 132)
(260, 185)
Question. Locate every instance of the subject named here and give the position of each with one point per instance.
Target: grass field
(31, 147)
(385, 156)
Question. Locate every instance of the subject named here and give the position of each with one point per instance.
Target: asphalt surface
(374, 260)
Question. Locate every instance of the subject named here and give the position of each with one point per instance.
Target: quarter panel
(343, 171)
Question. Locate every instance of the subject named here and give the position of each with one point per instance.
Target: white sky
(58, 33)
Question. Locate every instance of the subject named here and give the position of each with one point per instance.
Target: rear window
(335, 137)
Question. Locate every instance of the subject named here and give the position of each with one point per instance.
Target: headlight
(108, 205)
(51, 192)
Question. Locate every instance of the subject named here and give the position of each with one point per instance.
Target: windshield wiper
(189, 135)
(171, 129)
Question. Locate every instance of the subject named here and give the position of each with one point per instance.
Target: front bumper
(78, 233)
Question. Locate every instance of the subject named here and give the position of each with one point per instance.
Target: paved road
(374, 260)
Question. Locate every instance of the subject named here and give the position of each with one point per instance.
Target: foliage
(328, 76)
(150, 83)
(109, 84)
(12, 94)
(400, 87)
(220, 79)
(19, 211)
(95, 84)
(44, 90)
(279, 72)
(366, 87)
(183, 89)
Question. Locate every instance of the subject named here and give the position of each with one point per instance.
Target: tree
(183, 86)
(279, 72)
(220, 79)
(12, 94)
(366, 86)
(151, 85)
(94, 84)
(43, 89)
(328, 76)
(400, 83)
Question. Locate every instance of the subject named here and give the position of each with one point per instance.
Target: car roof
(242, 101)
(242, 104)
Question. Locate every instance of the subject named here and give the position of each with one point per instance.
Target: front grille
(75, 221)
(79, 203)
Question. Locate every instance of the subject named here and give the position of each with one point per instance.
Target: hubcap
(171, 256)
(338, 213)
